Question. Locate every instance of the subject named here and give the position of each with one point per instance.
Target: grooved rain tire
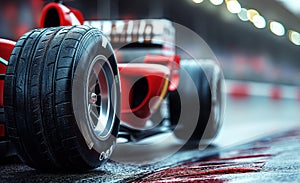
(48, 130)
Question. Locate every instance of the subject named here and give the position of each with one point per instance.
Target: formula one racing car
(70, 89)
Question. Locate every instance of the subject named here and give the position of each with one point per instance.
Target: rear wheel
(62, 98)
(196, 107)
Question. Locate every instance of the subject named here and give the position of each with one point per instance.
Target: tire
(196, 107)
(52, 90)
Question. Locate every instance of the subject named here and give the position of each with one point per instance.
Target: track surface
(253, 146)
(271, 159)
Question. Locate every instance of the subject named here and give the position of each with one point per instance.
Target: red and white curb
(243, 89)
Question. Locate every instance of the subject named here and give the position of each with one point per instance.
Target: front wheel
(197, 106)
(62, 98)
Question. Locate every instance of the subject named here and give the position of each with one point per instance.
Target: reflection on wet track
(245, 120)
(274, 159)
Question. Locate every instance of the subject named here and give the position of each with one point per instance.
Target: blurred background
(254, 40)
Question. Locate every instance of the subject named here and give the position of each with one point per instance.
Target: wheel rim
(100, 97)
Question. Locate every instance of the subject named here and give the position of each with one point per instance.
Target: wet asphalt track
(270, 159)
(246, 120)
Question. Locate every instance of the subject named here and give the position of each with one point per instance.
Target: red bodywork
(6, 48)
(160, 73)
(63, 16)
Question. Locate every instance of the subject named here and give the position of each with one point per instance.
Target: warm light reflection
(277, 28)
(259, 21)
(251, 13)
(216, 2)
(234, 6)
(197, 1)
(243, 15)
(294, 37)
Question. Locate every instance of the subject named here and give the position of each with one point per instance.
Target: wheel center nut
(93, 98)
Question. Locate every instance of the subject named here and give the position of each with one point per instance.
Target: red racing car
(72, 88)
